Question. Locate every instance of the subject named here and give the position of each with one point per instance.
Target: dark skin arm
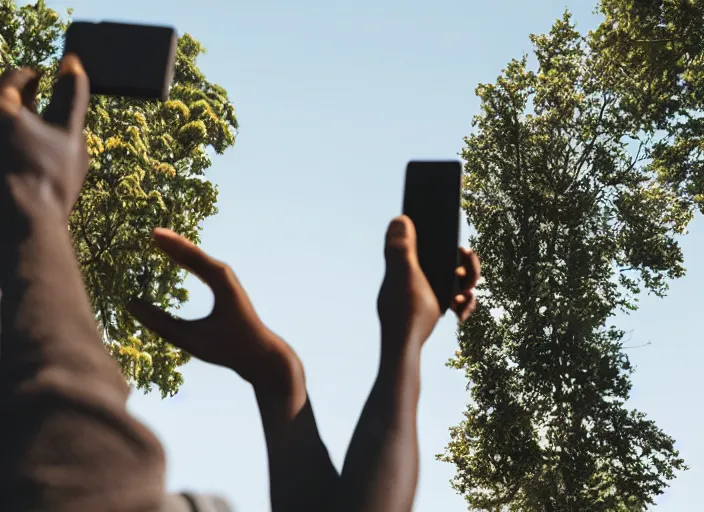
(381, 469)
(302, 476)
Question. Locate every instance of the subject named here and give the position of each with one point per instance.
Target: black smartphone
(124, 59)
(432, 201)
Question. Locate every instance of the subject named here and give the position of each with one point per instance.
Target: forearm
(301, 474)
(71, 445)
(381, 469)
(47, 323)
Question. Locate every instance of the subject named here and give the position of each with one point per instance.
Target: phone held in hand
(122, 59)
(432, 202)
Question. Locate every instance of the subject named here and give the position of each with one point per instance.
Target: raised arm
(67, 442)
(381, 469)
(301, 475)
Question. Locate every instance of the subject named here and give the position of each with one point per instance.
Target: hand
(44, 161)
(407, 306)
(232, 335)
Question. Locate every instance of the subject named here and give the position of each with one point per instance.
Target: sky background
(333, 99)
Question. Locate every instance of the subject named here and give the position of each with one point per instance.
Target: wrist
(25, 208)
(31, 196)
(24, 230)
(279, 380)
(399, 357)
(279, 384)
(280, 377)
(398, 379)
(281, 405)
(397, 346)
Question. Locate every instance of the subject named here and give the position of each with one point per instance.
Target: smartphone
(121, 59)
(432, 202)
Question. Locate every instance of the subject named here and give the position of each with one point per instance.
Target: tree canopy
(148, 169)
(575, 215)
(654, 53)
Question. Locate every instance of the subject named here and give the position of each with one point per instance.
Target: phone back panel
(432, 201)
(124, 59)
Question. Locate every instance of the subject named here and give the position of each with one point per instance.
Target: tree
(654, 52)
(147, 170)
(572, 222)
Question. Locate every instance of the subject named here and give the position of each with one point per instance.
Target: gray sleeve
(188, 502)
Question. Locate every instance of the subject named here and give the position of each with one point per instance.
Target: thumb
(401, 242)
(69, 104)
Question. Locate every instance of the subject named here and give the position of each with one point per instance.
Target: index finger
(189, 256)
(18, 88)
(69, 103)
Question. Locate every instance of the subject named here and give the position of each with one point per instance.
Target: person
(67, 441)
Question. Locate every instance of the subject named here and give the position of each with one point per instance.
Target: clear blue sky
(333, 99)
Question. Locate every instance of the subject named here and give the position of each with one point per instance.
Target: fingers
(401, 239)
(469, 270)
(68, 107)
(69, 103)
(464, 313)
(172, 329)
(464, 305)
(18, 88)
(187, 255)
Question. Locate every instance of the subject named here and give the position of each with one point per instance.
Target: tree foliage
(148, 169)
(654, 51)
(563, 186)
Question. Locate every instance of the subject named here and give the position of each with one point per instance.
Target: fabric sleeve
(67, 441)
